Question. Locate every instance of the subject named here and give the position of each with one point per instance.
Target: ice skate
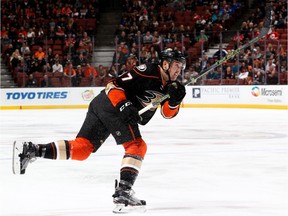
(126, 202)
(23, 154)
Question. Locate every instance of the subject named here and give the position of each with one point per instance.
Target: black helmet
(172, 55)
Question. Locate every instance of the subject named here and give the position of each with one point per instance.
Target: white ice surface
(205, 162)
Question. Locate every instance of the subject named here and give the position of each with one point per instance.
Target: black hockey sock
(48, 151)
(128, 176)
(55, 150)
(131, 165)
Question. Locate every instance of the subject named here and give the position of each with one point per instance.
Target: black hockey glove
(128, 113)
(177, 92)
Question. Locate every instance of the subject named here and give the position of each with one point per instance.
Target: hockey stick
(264, 31)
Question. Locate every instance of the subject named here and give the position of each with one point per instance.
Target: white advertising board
(269, 96)
(29, 98)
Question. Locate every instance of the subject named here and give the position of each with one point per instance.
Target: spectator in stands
(66, 10)
(119, 57)
(211, 75)
(57, 67)
(271, 75)
(78, 77)
(50, 55)
(69, 45)
(75, 13)
(69, 71)
(45, 81)
(122, 37)
(7, 53)
(31, 36)
(202, 63)
(169, 18)
(90, 71)
(124, 49)
(163, 30)
(218, 74)
(41, 63)
(131, 62)
(51, 33)
(15, 59)
(134, 50)
(102, 74)
(67, 59)
(148, 38)
(112, 72)
(40, 36)
(167, 38)
(4, 32)
(60, 34)
(186, 78)
(173, 28)
(156, 40)
(155, 23)
(192, 70)
(138, 38)
(47, 68)
(80, 60)
(25, 50)
(143, 22)
(31, 82)
(35, 67)
(154, 57)
(283, 65)
(204, 39)
(22, 33)
(79, 71)
(228, 73)
(144, 55)
(5, 42)
(39, 53)
(258, 74)
(85, 43)
(56, 58)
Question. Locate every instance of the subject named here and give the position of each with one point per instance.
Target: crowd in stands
(52, 40)
(44, 37)
(148, 27)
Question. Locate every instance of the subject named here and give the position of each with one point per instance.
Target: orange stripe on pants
(136, 147)
(81, 148)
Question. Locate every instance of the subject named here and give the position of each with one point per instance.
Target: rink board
(266, 97)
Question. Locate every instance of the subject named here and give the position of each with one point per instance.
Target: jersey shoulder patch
(148, 69)
(142, 68)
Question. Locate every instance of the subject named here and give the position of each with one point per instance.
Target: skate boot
(23, 154)
(125, 201)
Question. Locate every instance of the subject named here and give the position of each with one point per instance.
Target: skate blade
(16, 165)
(122, 209)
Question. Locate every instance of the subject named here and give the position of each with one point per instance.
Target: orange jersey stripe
(116, 95)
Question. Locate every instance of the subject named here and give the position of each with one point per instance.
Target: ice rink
(205, 162)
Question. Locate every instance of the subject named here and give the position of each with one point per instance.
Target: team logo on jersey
(142, 67)
(149, 97)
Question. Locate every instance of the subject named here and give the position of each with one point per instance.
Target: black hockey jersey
(142, 86)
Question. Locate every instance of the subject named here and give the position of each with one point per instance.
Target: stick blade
(16, 165)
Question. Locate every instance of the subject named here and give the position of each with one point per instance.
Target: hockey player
(115, 111)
